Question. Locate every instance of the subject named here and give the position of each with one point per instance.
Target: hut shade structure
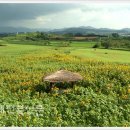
(63, 76)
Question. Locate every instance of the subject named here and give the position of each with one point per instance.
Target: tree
(42, 35)
(68, 35)
(97, 45)
(78, 34)
(106, 43)
(115, 35)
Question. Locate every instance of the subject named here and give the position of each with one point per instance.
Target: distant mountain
(20, 29)
(74, 30)
(126, 29)
(89, 29)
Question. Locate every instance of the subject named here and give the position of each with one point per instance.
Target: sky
(63, 15)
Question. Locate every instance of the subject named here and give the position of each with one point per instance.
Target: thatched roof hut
(63, 76)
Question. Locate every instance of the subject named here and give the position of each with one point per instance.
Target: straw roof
(63, 76)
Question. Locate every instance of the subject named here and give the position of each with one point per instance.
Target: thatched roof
(63, 76)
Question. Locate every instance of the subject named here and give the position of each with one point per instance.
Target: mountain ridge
(74, 30)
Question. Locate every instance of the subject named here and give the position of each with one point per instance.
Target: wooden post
(72, 83)
(51, 85)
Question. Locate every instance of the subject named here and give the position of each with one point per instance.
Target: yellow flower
(125, 96)
(55, 94)
(82, 103)
(129, 90)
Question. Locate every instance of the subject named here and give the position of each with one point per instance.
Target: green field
(81, 49)
(104, 55)
(101, 99)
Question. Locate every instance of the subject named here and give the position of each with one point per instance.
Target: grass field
(81, 49)
(101, 99)
(104, 55)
